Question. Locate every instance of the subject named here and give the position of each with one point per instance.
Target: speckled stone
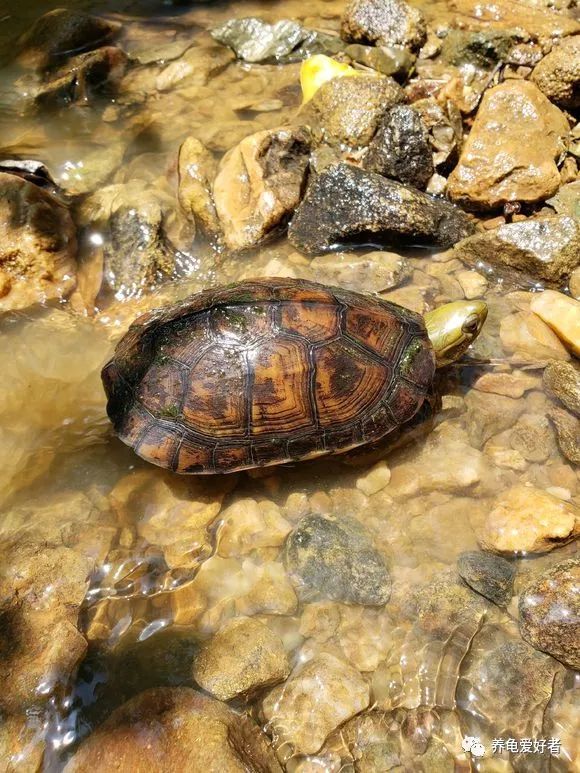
(490, 575)
(549, 611)
(562, 381)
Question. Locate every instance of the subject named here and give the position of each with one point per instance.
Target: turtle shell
(264, 372)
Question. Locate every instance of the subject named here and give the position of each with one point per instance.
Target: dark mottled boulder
(482, 48)
(562, 381)
(347, 111)
(336, 559)
(549, 611)
(62, 33)
(401, 148)
(346, 205)
(567, 429)
(386, 22)
(491, 576)
(547, 248)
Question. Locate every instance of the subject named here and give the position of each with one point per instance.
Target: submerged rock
(243, 656)
(401, 148)
(62, 32)
(181, 727)
(386, 22)
(336, 559)
(530, 339)
(395, 61)
(38, 247)
(511, 152)
(526, 519)
(319, 697)
(197, 169)
(567, 429)
(370, 272)
(490, 575)
(561, 380)
(259, 184)
(483, 48)
(546, 248)
(562, 314)
(254, 40)
(345, 204)
(348, 111)
(549, 609)
(558, 74)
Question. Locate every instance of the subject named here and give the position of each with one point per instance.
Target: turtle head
(453, 327)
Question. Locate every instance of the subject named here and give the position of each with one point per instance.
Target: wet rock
(348, 111)
(253, 40)
(57, 34)
(532, 436)
(483, 48)
(179, 726)
(549, 611)
(401, 149)
(259, 184)
(561, 380)
(371, 272)
(336, 559)
(567, 202)
(526, 519)
(22, 744)
(509, 384)
(375, 479)
(395, 61)
(386, 22)
(243, 656)
(530, 339)
(558, 74)
(247, 525)
(197, 169)
(546, 248)
(538, 22)
(321, 695)
(490, 575)
(562, 314)
(567, 429)
(445, 127)
(473, 284)
(488, 414)
(83, 76)
(38, 249)
(346, 204)
(511, 152)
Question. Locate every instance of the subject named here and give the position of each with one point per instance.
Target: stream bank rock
(347, 111)
(336, 559)
(322, 695)
(401, 148)
(197, 169)
(345, 204)
(243, 656)
(558, 74)
(54, 36)
(259, 184)
(546, 248)
(178, 725)
(511, 152)
(38, 248)
(385, 22)
(549, 610)
(490, 575)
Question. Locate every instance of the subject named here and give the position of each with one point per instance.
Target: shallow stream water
(170, 559)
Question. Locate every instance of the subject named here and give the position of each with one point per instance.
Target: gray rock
(386, 22)
(345, 204)
(549, 610)
(547, 248)
(491, 576)
(401, 149)
(482, 48)
(567, 200)
(562, 381)
(54, 36)
(336, 559)
(388, 60)
(348, 111)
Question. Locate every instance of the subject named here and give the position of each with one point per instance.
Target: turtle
(278, 370)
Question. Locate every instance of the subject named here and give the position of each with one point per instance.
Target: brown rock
(247, 524)
(512, 149)
(568, 433)
(348, 110)
(562, 314)
(546, 248)
(526, 519)
(562, 381)
(529, 338)
(558, 74)
(21, 745)
(549, 610)
(532, 436)
(189, 732)
(508, 384)
(197, 169)
(38, 249)
(259, 184)
(320, 696)
(243, 656)
(538, 23)
(386, 22)
(371, 272)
